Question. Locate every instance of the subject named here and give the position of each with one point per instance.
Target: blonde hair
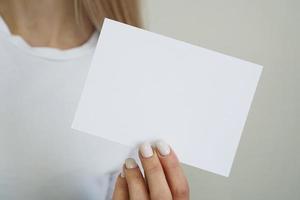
(126, 11)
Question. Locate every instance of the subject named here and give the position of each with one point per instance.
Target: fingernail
(163, 148)
(122, 173)
(146, 150)
(130, 163)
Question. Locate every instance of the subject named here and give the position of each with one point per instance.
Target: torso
(41, 157)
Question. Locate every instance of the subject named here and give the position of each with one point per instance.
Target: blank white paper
(143, 86)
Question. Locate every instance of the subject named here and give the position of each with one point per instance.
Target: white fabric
(41, 157)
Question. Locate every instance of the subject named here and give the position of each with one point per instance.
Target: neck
(47, 23)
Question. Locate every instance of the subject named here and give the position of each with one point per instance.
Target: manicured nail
(130, 163)
(163, 148)
(122, 174)
(146, 150)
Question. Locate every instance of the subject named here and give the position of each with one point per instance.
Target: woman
(45, 51)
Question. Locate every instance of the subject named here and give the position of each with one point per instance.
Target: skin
(164, 180)
(51, 23)
(46, 23)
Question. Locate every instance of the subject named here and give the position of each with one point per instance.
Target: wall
(267, 164)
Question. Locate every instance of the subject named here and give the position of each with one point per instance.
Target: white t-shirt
(41, 157)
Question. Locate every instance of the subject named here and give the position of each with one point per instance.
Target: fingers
(174, 174)
(135, 181)
(164, 176)
(121, 188)
(156, 180)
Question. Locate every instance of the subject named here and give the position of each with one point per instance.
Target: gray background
(267, 164)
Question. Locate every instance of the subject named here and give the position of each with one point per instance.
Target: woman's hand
(164, 177)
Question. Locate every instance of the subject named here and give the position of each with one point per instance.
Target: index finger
(173, 171)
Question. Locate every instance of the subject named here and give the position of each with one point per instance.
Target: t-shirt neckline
(49, 52)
